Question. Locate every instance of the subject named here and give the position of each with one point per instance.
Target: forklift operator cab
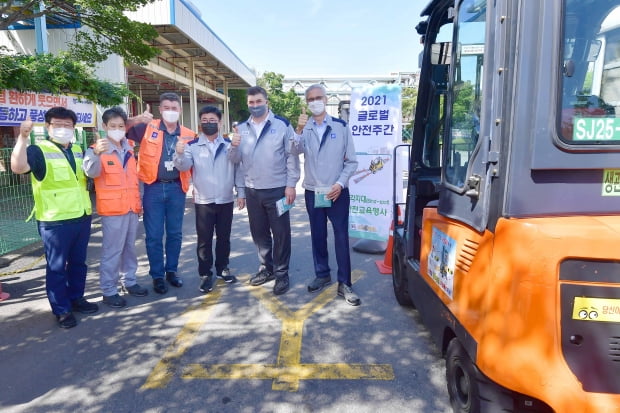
(510, 244)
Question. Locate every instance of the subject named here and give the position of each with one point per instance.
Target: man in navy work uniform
(262, 144)
(62, 210)
(164, 189)
(214, 177)
(329, 162)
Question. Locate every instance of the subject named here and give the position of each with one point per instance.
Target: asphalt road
(237, 349)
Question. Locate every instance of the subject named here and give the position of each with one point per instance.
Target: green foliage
(409, 99)
(238, 105)
(57, 75)
(110, 30)
(286, 104)
(463, 103)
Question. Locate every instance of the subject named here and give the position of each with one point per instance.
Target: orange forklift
(510, 243)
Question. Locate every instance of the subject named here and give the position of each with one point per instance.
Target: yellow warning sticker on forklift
(611, 182)
(442, 261)
(596, 309)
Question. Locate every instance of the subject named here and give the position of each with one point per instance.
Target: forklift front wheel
(461, 379)
(399, 283)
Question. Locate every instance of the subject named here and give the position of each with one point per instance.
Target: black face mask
(209, 129)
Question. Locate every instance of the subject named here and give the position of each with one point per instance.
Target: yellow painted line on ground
(290, 343)
(165, 369)
(288, 370)
(316, 371)
(270, 302)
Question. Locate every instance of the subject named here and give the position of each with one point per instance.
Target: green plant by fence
(16, 201)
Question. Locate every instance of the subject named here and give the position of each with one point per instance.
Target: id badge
(169, 165)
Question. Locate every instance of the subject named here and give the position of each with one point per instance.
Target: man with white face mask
(164, 189)
(110, 161)
(329, 162)
(62, 210)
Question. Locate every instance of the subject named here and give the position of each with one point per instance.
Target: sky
(319, 37)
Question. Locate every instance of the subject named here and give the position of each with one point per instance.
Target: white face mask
(170, 116)
(116, 134)
(317, 107)
(62, 136)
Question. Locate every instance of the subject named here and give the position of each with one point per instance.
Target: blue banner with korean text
(16, 107)
(375, 122)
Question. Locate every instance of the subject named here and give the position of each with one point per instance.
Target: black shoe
(261, 277)
(173, 279)
(281, 286)
(136, 290)
(114, 301)
(226, 277)
(160, 286)
(82, 306)
(207, 283)
(66, 320)
(318, 284)
(349, 296)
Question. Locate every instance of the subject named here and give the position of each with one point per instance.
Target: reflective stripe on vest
(62, 193)
(116, 188)
(150, 153)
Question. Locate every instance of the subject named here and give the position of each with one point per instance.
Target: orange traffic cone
(385, 265)
(3, 295)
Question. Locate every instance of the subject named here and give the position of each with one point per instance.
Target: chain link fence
(16, 202)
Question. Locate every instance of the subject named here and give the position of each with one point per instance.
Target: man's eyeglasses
(62, 125)
(314, 98)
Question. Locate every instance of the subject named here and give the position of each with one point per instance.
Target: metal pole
(40, 29)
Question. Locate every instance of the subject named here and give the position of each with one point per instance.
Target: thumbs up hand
(147, 116)
(235, 138)
(302, 120)
(101, 146)
(25, 128)
(180, 146)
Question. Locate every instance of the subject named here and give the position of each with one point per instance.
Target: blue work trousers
(164, 206)
(338, 215)
(65, 247)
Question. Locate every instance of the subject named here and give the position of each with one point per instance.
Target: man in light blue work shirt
(214, 176)
(262, 144)
(329, 162)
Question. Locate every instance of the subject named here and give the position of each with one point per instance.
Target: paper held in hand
(320, 197)
(283, 207)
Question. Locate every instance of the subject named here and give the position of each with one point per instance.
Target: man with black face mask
(214, 177)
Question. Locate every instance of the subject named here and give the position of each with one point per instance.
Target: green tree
(238, 106)
(409, 99)
(463, 103)
(286, 104)
(110, 30)
(58, 74)
(106, 30)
